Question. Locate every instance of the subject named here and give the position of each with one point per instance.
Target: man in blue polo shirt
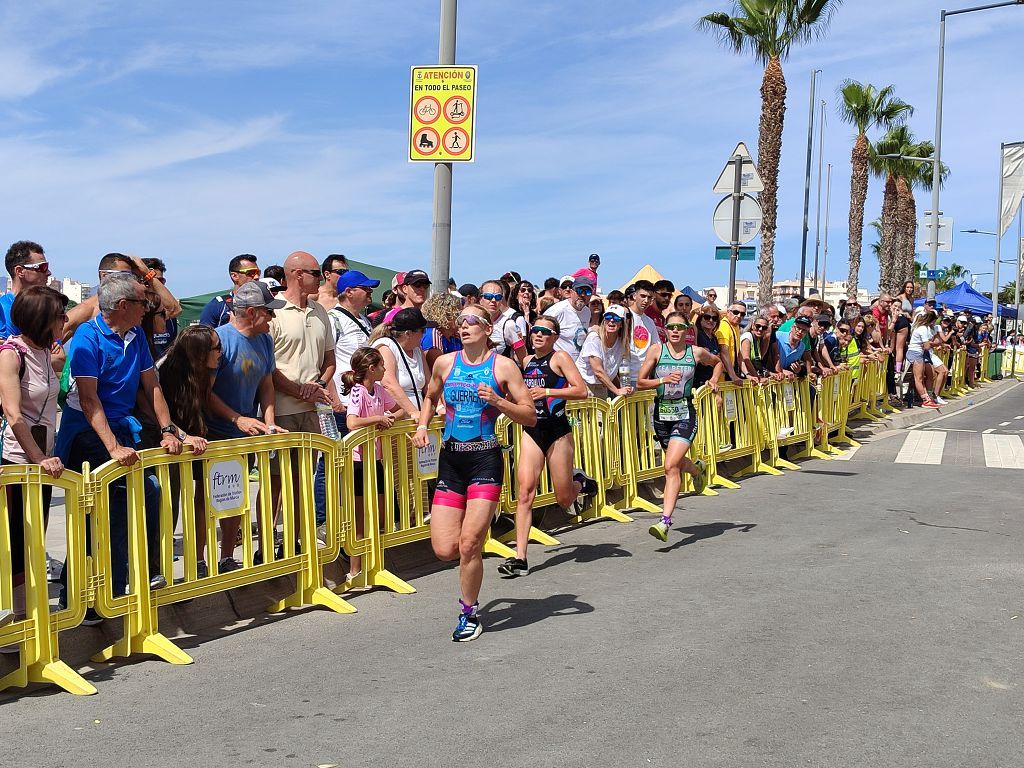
(794, 357)
(109, 363)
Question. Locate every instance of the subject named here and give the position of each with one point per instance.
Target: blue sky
(194, 131)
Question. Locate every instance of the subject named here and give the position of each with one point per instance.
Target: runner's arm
(643, 378)
(517, 405)
(564, 366)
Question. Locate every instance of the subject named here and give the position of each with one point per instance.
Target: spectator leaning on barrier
(405, 368)
(756, 349)
(27, 265)
(332, 268)
(242, 269)
(573, 316)
(794, 357)
(641, 332)
(663, 290)
(28, 392)
(728, 334)
(601, 354)
(111, 365)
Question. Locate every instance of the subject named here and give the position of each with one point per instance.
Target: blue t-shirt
(787, 353)
(7, 326)
(217, 311)
(116, 363)
(434, 339)
(244, 361)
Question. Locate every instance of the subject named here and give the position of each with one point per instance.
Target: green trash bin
(995, 364)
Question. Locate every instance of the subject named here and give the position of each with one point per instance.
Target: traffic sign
(924, 227)
(751, 179)
(932, 274)
(442, 114)
(750, 219)
(744, 253)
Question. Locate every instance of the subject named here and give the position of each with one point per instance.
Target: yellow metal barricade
(224, 493)
(834, 394)
(790, 417)
(983, 362)
(880, 391)
(631, 433)
(35, 628)
(730, 432)
(865, 391)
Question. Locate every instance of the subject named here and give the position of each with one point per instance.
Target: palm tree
(769, 29)
(893, 143)
(865, 107)
(1006, 295)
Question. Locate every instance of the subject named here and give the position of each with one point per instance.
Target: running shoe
(659, 530)
(202, 569)
(701, 481)
(930, 404)
(514, 567)
(227, 565)
(589, 484)
(92, 618)
(468, 628)
(6, 616)
(940, 401)
(157, 581)
(321, 534)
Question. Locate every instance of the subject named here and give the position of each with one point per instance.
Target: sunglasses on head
(543, 330)
(611, 317)
(492, 296)
(469, 319)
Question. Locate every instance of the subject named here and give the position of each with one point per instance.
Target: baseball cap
(414, 276)
(469, 290)
(594, 257)
(802, 320)
(565, 279)
(961, 318)
(616, 309)
(355, 279)
(272, 284)
(825, 317)
(513, 275)
(397, 280)
(255, 294)
(583, 282)
(410, 319)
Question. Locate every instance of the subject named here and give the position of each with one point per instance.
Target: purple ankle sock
(666, 520)
(469, 610)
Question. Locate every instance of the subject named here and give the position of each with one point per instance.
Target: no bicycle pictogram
(427, 109)
(426, 141)
(456, 141)
(456, 109)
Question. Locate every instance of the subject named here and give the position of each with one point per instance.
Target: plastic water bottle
(624, 374)
(328, 426)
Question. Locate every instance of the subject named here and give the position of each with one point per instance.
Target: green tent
(192, 307)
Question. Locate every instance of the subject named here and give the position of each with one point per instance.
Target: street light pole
(807, 178)
(933, 250)
(817, 206)
(441, 254)
(824, 254)
(999, 239)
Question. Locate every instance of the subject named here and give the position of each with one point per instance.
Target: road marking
(1004, 424)
(1003, 451)
(986, 401)
(848, 453)
(922, 448)
(947, 429)
(988, 431)
(1018, 417)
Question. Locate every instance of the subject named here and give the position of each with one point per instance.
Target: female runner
(552, 378)
(669, 367)
(477, 385)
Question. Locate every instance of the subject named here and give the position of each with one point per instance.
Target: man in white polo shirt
(573, 316)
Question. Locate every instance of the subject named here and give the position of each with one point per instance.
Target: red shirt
(883, 321)
(654, 313)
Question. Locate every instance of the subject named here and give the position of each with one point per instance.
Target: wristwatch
(170, 429)
(321, 383)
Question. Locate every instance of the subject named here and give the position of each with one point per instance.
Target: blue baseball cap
(355, 279)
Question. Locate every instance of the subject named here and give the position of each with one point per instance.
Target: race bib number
(729, 404)
(673, 410)
(789, 396)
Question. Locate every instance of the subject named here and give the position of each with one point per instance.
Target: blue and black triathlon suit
(674, 415)
(471, 464)
(552, 423)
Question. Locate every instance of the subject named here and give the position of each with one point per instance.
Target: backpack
(508, 351)
(21, 367)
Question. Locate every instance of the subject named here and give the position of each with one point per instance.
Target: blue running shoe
(468, 628)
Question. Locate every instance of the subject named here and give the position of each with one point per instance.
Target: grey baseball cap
(255, 294)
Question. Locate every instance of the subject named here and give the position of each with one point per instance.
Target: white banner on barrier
(789, 396)
(427, 457)
(729, 404)
(229, 482)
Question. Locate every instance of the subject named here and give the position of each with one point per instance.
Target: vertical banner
(1013, 184)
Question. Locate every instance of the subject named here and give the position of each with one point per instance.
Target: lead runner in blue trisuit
(478, 385)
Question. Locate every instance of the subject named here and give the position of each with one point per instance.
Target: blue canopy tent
(963, 298)
(696, 297)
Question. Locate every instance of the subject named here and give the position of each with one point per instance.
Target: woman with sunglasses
(670, 368)
(526, 301)
(602, 353)
(552, 378)
(758, 350)
(477, 385)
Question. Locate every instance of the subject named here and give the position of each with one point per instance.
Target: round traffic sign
(750, 219)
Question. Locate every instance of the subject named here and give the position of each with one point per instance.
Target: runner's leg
(530, 464)
(561, 458)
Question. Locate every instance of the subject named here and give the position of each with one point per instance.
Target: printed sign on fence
(729, 404)
(228, 485)
(835, 387)
(789, 396)
(427, 457)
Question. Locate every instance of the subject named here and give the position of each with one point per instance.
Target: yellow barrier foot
(325, 598)
(155, 644)
(293, 600)
(708, 492)
(56, 672)
(386, 579)
(495, 547)
(643, 505)
(756, 468)
(536, 535)
(722, 482)
(784, 464)
(613, 514)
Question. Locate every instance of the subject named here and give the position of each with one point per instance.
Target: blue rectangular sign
(722, 253)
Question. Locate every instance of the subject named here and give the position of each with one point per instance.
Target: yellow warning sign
(442, 113)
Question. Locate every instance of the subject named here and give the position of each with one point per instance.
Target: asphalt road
(854, 613)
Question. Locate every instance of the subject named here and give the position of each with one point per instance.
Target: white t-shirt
(508, 331)
(645, 333)
(410, 371)
(920, 335)
(574, 324)
(350, 335)
(593, 346)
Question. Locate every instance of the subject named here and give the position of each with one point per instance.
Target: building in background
(746, 291)
(74, 290)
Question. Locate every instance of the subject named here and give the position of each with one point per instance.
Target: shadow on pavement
(513, 613)
(581, 553)
(706, 531)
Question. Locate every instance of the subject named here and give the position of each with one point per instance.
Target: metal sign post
(441, 255)
(745, 218)
(734, 246)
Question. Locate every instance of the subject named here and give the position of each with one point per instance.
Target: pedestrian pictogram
(442, 114)
(426, 142)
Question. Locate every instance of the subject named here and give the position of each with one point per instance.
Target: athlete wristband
(547, 392)
(420, 427)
